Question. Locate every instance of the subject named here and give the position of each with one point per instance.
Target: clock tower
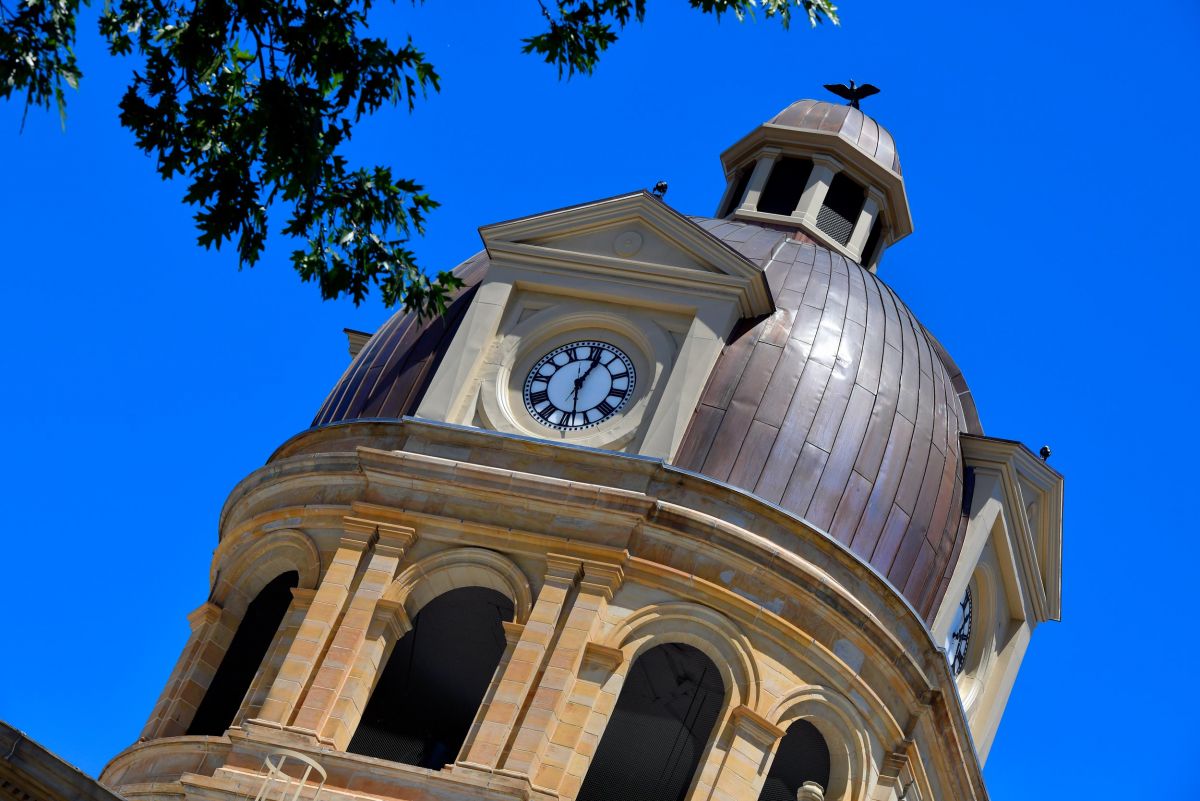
(666, 507)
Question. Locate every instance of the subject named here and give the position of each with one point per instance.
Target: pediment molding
(1033, 497)
(634, 237)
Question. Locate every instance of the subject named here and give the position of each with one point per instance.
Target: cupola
(827, 170)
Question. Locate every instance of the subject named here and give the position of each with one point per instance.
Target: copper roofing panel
(853, 424)
(850, 123)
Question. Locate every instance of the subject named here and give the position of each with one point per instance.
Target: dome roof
(839, 407)
(851, 124)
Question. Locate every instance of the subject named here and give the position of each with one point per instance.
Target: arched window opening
(785, 185)
(657, 733)
(839, 212)
(740, 182)
(802, 756)
(435, 679)
(244, 655)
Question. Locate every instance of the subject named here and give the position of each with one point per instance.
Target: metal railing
(275, 777)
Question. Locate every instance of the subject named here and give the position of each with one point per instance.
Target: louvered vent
(841, 208)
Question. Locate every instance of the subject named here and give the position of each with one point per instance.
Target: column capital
(393, 617)
(603, 656)
(512, 631)
(204, 614)
(394, 539)
(755, 727)
(603, 578)
(562, 570)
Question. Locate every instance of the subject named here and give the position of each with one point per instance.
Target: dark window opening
(435, 679)
(784, 186)
(802, 757)
(841, 208)
(243, 657)
(741, 181)
(869, 254)
(656, 736)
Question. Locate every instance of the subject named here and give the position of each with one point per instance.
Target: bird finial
(852, 93)
(1045, 453)
(659, 189)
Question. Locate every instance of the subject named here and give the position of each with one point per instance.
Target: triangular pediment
(635, 234)
(1033, 497)
(634, 239)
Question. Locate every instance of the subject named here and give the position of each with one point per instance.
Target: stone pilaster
(263, 678)
(313, 636)
(348, 640)
(523, 664)
(554, 722)
(748, 743)
(192, 674)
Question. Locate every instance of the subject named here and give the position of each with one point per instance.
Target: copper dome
(851, 124)
(839, 407)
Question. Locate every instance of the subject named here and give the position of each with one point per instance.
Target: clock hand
(594, 364)
(578, 383)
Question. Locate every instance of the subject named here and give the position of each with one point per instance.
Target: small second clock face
(579, 385)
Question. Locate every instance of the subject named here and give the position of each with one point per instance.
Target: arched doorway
(429, 692)
(658, 731)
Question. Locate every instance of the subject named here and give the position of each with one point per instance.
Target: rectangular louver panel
(834, 224)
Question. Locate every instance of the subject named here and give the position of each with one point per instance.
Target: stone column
(522, 668)
(758, 178)
(751, 739)
(314, 633)
(197, 664)
(862, 228)
(351, 634)
(301, 601)
(551, 727)
(809, 206)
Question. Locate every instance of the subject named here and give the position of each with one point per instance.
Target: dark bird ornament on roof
(852, 93)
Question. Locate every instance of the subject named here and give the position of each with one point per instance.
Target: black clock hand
(595, 363)
(579, 379)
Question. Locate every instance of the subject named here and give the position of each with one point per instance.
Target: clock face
(579, 385)
(959, 638)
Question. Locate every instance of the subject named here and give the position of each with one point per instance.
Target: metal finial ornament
(852, 93)
(659, 189)
(1045, 453)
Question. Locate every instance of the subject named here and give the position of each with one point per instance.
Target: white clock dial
(579, 385)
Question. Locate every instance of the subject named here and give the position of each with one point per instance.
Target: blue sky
(1050, 158)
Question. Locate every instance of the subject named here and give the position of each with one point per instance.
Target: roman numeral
(538, 397)
(605, 408)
